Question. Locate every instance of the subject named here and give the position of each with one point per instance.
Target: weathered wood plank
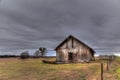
(80, 52)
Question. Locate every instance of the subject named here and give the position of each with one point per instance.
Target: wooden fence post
(110, 60)
(109, 63)
(107, 68)
(101, 71)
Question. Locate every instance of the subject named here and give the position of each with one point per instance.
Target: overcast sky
(30, 24)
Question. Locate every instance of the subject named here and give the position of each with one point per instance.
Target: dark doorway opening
(70, 57)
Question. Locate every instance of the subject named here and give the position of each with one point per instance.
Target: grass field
(35, 69)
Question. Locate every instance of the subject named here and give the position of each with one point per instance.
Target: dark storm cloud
(28, 24)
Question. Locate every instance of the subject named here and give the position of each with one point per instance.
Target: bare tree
(43, 51)
(37, 54)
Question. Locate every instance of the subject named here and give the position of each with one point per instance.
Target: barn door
(70, 57)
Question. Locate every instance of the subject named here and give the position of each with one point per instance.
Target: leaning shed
(74, 50)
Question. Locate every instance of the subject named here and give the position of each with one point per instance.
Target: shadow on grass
(49, 62)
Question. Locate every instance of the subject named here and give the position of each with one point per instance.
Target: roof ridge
(71, 36)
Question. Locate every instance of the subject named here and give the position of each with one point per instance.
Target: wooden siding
(80, 51)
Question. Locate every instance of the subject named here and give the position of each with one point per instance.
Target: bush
(24, 55)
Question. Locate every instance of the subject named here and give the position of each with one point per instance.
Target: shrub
(24, 55)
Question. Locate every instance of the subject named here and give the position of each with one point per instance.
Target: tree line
(41, 52)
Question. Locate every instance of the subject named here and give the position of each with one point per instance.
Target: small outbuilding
(74, 50)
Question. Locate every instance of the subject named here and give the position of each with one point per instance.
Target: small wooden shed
(74, 50)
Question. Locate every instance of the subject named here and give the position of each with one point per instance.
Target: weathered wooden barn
(74, 50)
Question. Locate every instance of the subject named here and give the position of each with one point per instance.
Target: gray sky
(30, 24)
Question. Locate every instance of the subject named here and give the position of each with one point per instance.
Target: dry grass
(35, 69)
(114, 71)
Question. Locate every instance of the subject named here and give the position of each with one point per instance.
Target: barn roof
(76, 40)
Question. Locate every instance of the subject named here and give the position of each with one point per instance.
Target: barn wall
(62, 55)
(64, 45)
(78, 56)
(69, 43)
(80, 51)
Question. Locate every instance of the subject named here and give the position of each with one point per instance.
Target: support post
(101, 71)
(107, 68)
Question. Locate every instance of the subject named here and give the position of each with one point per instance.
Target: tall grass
(35, 69)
